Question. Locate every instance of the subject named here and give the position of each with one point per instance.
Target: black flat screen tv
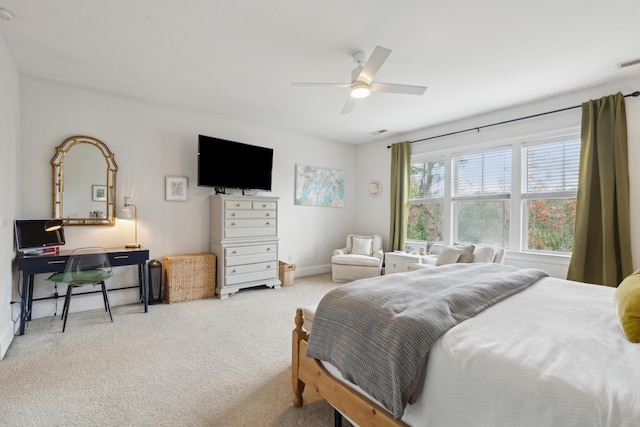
(229, 164)
(32, 234)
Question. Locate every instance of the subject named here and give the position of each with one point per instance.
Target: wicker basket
(189, 277)
(287, 272)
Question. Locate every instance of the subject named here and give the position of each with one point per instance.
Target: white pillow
(361, 246)
(466, 254)
(484, 254)
(449, 255)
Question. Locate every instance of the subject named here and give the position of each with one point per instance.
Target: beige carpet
(199, 363)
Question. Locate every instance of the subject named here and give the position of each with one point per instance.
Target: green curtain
(399, 194)
(602, 240)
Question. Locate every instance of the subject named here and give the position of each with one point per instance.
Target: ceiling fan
(362, 79)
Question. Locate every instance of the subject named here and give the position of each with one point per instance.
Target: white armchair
(361, 257)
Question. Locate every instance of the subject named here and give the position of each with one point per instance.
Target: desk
(51, 262)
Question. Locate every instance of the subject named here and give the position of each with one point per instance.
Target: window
(481, 197)
(520, 196)
(549, 189)
(426, 200)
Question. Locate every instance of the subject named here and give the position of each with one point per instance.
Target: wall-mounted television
(32, 234)
(228, 164)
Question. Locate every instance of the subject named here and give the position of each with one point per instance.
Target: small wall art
(99, 193)
(175, 188)
(317, 186)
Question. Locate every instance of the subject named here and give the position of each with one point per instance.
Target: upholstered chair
(360, 258)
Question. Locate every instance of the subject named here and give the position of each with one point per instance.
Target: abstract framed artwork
(318, 186)
(176, 188)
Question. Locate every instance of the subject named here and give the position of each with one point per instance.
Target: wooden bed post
(346, 401)
(297, 335)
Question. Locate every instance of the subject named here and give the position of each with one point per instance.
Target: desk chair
(86, 266)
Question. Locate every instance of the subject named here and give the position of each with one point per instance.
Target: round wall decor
(375, 188)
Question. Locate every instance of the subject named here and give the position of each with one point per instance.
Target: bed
(550, 353)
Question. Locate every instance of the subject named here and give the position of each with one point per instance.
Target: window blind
(551, 168)
(482, 174)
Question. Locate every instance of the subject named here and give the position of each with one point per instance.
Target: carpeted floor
(199, 363)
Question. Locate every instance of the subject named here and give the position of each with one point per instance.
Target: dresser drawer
(239, 213)
(264, 205)
(237, 204)
(251, 259)
(250, 250)
(252, 268)
(258, 222)
(263, 274)
(240, 232)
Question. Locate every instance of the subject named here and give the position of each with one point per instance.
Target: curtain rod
(477, 128)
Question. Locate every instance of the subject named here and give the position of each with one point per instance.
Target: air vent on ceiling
(629, 63)
(378, 132)
(5, 14)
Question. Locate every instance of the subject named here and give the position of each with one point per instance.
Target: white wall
(151, 142)
(9, 166)
(374, 159)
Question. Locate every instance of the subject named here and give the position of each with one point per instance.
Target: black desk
(51, 262)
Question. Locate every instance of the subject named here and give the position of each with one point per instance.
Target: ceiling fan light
(360, 91)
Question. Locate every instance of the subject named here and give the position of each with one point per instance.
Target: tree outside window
(426, 205)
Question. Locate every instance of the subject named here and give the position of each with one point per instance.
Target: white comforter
(552, 355)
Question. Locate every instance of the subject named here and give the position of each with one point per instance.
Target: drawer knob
(234, 271)
(234, 252)
(267, 223)
(268, 249)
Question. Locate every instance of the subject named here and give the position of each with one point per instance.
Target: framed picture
(176, 188)
(99, 193)
(317, 186)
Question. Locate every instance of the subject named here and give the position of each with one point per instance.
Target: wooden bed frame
(306, 371)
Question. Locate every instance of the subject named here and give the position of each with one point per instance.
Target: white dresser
(244, 237)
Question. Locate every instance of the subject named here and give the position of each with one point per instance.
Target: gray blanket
(378, 332)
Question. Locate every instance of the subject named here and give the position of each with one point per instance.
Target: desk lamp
(53, 225)
(125, 213)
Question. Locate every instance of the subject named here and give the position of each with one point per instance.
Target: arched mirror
(84, 182)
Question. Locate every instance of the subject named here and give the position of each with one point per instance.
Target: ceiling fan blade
(322, 84)
(373, 64)
(396, 88)
(348, 106)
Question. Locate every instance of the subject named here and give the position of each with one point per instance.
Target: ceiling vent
(5, 14)
(629, 63)
(378, 132)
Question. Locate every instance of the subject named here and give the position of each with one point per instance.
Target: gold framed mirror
(84, 182)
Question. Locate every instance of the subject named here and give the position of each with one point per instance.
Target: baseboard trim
(311, 271)
(6, 338)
